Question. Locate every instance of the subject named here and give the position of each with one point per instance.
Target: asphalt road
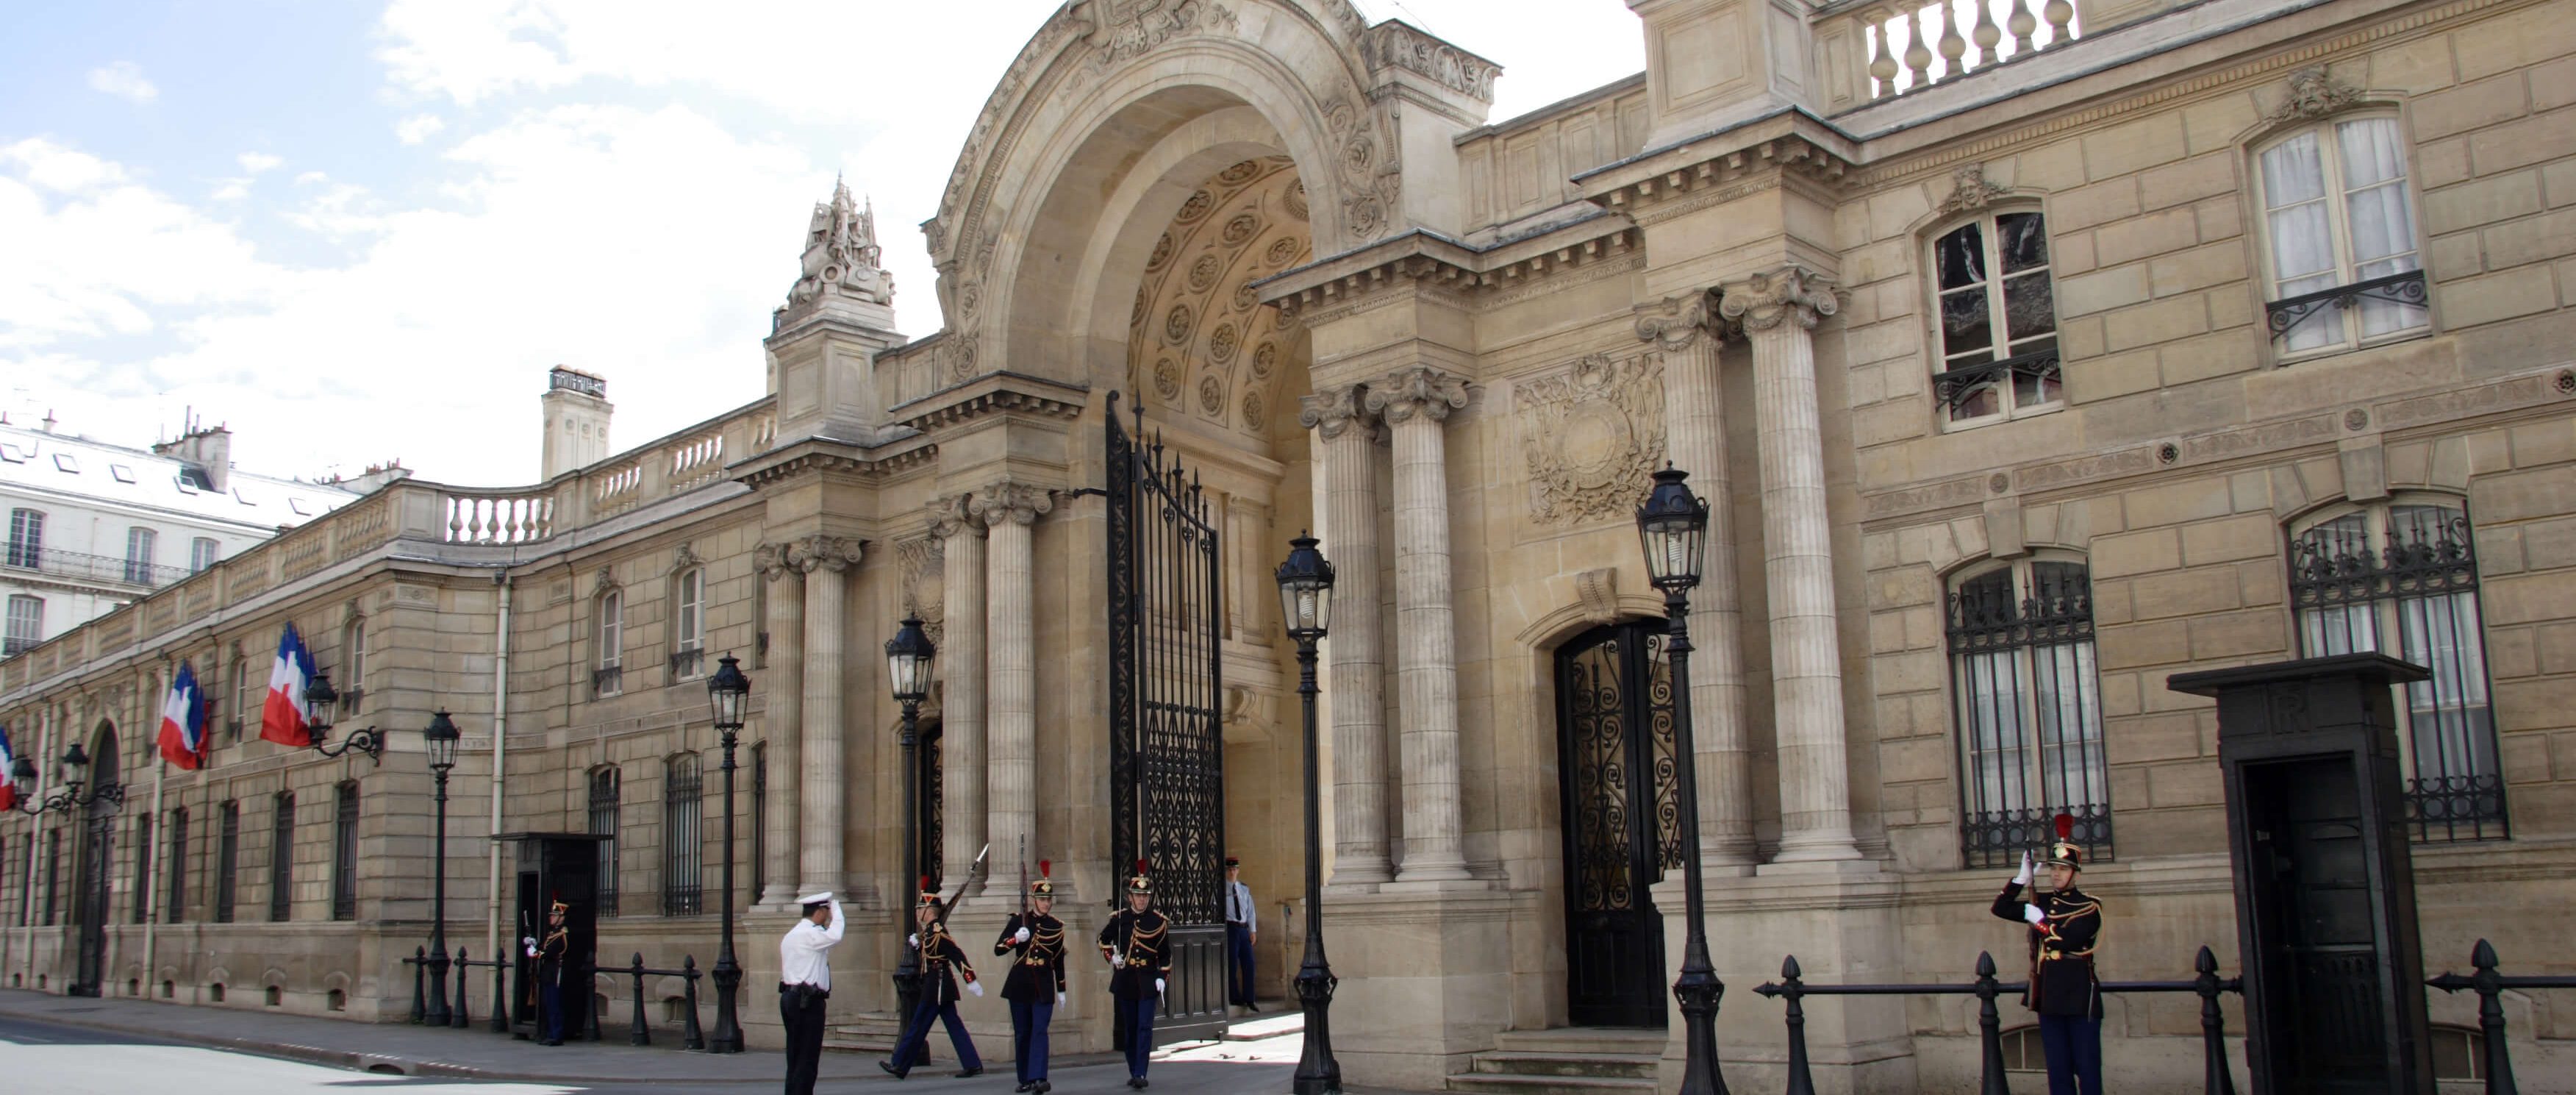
(62, 1060)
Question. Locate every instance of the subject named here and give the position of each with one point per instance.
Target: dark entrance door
(98, 858)
(557, 867)
(1616, 764)
(1167, 771)
(2308, 855)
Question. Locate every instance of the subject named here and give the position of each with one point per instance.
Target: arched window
(2339, 237)
(353, 664)
(609, 640)
(344, 851)
(2401, 578)
(604, 808)
(1995, 317)
(281, 858)
(683, 850)
(2028, 707)
(27, 538)
(688, 623)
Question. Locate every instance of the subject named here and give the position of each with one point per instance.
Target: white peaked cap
(815, 898)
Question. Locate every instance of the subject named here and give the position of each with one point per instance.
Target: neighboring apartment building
(94, 526)
(2025, 361)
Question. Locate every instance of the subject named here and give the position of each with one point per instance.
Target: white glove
(1021, 937)
(913, 941)
(532, 952)
(1117, 961)
(1059, 999)
(2033, 914)
(976, 987)
(530, 942)
(1158, 986)
(2022, 878)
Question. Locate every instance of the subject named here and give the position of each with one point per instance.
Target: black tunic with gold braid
(2062, 980)
(1038, 970)
(1143, 937)
(942, 963)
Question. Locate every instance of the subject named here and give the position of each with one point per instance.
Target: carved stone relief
(921, 561)
(1589, 435)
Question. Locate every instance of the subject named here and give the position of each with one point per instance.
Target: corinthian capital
(773, 561)
(1677, 323)
(1017, 503)
(1793, 294)
(1333, 410)
(811, 553)
(948, 517)
(1420, 390)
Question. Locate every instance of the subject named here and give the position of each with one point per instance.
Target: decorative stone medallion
(1589, 435)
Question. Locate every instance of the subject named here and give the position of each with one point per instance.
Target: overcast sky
(356, 232)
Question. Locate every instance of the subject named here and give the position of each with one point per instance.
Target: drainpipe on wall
(500, 734)
(151, 893)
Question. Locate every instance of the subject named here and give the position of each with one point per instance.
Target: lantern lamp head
(1672, 525)
(440, 740)
(321, 703)
(728, 692)
(1305, 590)
(908, 658)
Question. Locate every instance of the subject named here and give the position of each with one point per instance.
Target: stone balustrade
(1877, 49)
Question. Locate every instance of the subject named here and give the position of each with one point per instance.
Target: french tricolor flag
(8, 782)
(183, 721)
(281, 720)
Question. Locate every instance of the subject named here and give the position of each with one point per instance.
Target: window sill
(2329, 353)
(1965, 425)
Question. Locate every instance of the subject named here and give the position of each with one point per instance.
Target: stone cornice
(1467, 276)
(821, 455)
(1787, 143)
(993, 393)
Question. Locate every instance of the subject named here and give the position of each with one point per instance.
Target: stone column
(961, 702)
(785, 683)
(823, 782)
(1778, 309)
(1356, 672)
(1685, 330)
(1416, 403)
(1007, 510)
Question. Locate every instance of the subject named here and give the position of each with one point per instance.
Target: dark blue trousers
(550, 1016)
(917, 1035)
(1140, 1033)
(1029, 1038)
(1238, 969)
(2074, 1047)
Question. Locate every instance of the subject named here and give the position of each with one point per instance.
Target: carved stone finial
(1333, 410)
(1791, 293)
(1420, 390)
(1677, 323)
(2314, 93)
(841, 254)
(1970, 189)
(1017, 503)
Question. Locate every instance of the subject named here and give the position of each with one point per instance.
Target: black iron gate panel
(1167, 771)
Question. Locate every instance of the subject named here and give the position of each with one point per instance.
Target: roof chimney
(576, 411)
(209, 452)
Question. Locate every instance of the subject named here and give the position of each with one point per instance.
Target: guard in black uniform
(943, 966)
(1134, 941)
(2065, 924)
(552, 955)
(1035, 939)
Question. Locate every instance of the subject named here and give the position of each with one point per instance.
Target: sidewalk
(477, 1054)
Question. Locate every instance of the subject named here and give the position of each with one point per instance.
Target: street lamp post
(439, 742)
(908, 658)
(727, 691)
(321, 703)
(72, 771)
(1672, 525)
(1306, 606)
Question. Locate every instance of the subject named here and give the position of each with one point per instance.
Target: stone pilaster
(1416, 403)
(1357, 666)
(1685, 330)
(785, 682)
(1007, 510)
(822, 779)
(961, 701)
(1778, 309)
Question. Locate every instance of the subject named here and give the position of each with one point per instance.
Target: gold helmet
(2065, 852)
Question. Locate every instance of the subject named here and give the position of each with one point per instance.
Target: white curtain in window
(2449, 713)
(2070, 724)
(1993, 700)
(2303, 256)
(2383, 223)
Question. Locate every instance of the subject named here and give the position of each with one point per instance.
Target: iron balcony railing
(76, 566)
(2281, 316)
(1955, 387)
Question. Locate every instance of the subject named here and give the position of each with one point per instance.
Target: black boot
(890, 1070)
(970, 1073)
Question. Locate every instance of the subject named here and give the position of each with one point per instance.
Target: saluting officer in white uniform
(804, 983)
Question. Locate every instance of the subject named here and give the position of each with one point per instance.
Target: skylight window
(122, 473)
(185, 487)
(244, 499)
(63, 462)
(297, 504)
(14, 454)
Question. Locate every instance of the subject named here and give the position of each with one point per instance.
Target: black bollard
(1800, 1082)
(2499, 1061)
(2213, 1025)
(1989, 1030)
(591, 1001)
(419, 989)
(461, 1021)
(690, 1036)
(642, 1034)
(500, 994)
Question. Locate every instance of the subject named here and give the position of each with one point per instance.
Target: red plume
(2065, 826)
(925, 883)
(1043, 867)
(1140, 866)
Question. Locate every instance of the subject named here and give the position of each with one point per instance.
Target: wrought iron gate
(1622, 810)
(1167, 771)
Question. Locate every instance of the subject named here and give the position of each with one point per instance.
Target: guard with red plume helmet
(2065, 926)
(943, 968)
(1035, 941)
(1134, 942)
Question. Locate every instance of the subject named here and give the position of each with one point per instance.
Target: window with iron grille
(603, 823)
(689, 624)
(228, 862)
(344, 853)
(2402, 579)
(53, 874)
(143, 869)
(174, 906)
(1997, 320)
(26, 626)
(2026, 700)
(682, 848)
(759, 818)
(27, 538)
(281, 859)
(609, 641)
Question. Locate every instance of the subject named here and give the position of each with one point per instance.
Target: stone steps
(1566, 1061)
(871, 1032)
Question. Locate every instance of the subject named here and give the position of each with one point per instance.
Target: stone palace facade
(2026, 361)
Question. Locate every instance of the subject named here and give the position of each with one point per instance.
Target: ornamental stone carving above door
(1591, 435)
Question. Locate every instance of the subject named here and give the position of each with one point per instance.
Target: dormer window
(63, 462)
(122, 473)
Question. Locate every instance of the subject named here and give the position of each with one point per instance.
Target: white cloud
(256, 162)
(93, 254)
(418, 128)
(125, 81)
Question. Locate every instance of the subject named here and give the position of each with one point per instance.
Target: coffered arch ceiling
(1200, 343)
